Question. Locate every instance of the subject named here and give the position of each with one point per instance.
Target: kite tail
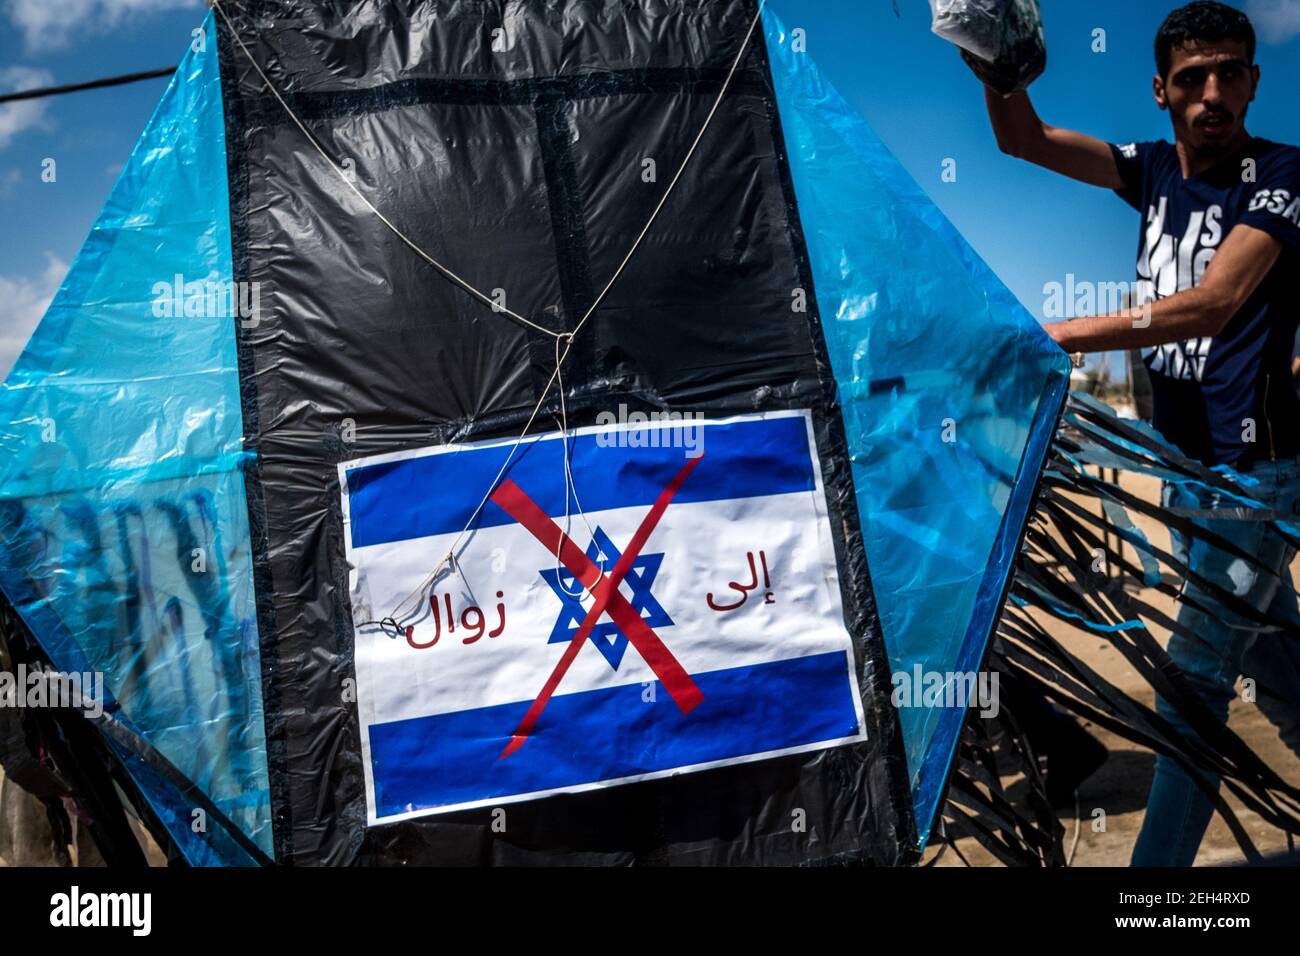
(1074, 574)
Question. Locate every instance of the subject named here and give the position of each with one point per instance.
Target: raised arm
(1241, 264)
(1022, 134)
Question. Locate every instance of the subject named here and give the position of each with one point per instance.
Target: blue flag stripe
(437, 494)
(610, 734)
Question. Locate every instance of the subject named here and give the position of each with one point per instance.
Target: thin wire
(1074, 844)
(347, 181)
(86, 85)
(570, 488)
(433, 575)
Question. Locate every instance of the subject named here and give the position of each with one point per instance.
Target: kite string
(570, 488)
(690, 153)
(569, 337)
(433, 575)
(566, 337)
(347, 181)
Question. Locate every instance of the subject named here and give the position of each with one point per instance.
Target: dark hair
(1202, 21)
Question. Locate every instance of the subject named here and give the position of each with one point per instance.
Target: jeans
(1178, 811)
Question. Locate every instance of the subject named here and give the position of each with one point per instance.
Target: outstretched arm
(1236, 271)
(1022, 134)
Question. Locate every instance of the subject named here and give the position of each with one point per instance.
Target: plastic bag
(1001, 40)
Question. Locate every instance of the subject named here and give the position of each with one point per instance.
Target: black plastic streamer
(1055, 579)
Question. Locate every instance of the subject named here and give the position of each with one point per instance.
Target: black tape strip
(1118, 726)
(1227, 754)
(856, 586)
(1103, 489)
(1259, 793)
(1065, 473)
(1108, 422)
(277, 745)
(524, 92)
(1159, 670)
(1115, 590)
(1174, 743)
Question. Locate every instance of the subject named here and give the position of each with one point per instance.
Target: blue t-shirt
(1225, 400)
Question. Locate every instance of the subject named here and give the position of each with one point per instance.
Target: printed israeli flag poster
(681, 613)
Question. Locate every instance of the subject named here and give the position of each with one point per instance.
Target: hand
(1060, 335)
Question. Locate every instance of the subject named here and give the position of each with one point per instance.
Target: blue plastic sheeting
(124, 540)
(950, 390)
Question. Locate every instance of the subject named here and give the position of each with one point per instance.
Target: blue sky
(1031, 226)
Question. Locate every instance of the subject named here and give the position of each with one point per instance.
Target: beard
(1215, 147)
(1220, 140)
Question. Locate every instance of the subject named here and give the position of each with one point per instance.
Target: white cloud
(24, 114)
(1276, 21)
(23, 300)
(52, 24)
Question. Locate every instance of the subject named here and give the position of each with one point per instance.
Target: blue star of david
(607, 637)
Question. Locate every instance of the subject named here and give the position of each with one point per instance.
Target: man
(1219, 263)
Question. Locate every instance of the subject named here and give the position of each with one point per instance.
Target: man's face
(1207, 92)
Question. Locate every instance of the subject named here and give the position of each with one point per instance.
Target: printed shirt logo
(1168, 265)
(707, 586)
(1279, 202)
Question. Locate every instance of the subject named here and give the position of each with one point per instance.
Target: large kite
(521, 432)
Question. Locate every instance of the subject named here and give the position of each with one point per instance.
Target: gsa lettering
(1279, 202)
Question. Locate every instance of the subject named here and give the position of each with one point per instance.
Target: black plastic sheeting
(521, 170)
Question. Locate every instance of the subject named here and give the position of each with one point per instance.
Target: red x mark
(515, 502)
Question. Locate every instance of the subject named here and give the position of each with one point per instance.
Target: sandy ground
(1120, 787)
(26, 836)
